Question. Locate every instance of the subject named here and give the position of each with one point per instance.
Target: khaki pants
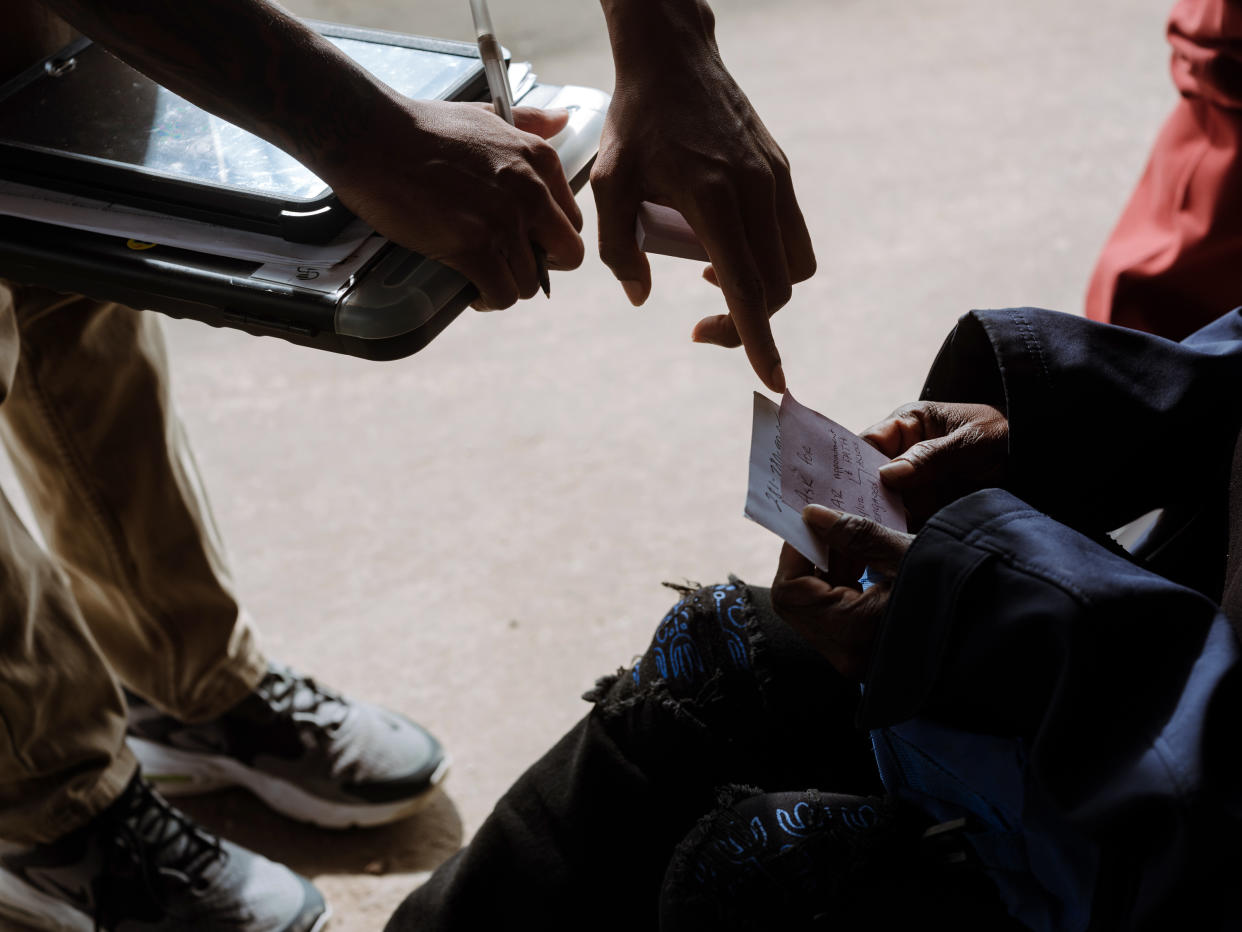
(133, 587)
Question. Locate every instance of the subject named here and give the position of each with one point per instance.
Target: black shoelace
(294, 695)
(153, 846)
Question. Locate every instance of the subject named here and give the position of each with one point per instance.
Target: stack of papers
(317, 267)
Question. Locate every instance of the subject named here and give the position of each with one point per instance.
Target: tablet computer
(389, 304)
(84, 122)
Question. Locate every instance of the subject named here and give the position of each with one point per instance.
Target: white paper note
(827, 464)
(764, 504)
(798, 457)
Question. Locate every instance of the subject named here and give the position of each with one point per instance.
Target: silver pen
(497, 73)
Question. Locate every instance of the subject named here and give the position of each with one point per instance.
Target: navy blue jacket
(1082, 706)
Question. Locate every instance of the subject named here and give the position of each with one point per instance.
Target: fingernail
(778, 378)
(896, 470)
(820, 516)
(634, 291)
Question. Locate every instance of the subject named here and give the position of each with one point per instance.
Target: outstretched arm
(449, 180)
(681, 133)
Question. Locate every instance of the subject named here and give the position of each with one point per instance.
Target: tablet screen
(103, 109)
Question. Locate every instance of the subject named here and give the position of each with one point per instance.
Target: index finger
(717, 221)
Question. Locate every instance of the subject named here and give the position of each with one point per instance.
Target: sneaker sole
(34, 909)
(185, 773)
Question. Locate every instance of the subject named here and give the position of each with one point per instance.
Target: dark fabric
(1116, 686)
(1232, 599)
(725, 694)
(809, 861)
(777, 860)
(1105, 423)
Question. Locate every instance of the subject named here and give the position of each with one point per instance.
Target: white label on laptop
(798, 457)
(325, 278)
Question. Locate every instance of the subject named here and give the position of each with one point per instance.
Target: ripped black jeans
(725, 695)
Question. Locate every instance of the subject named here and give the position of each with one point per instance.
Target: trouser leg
(62, 745)
(62, 719)
(725, 694)
(1171, 265)
(97, 445)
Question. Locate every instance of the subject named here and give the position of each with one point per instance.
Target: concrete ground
(473, 534)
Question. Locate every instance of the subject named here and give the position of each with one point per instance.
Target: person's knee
(702, 652)
(706, 634)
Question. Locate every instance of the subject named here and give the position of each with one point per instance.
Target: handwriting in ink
(772, 491)
(805, 490)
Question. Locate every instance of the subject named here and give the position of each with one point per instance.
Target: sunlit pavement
(474, 534)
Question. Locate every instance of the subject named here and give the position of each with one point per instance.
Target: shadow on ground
(419, 843)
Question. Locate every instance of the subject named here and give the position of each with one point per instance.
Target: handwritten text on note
(798, 457)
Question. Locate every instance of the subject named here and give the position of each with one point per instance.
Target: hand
(830, 609)
(941, 452)
(456, 183)
(449, 180)
(680, 132)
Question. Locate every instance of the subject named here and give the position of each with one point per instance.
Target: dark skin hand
(830, 609)
(461, 186)
(941, 452)
(452, 181)
(493, 189)
(680, 132)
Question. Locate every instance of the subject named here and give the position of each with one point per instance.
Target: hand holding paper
(941, 451)
(817, 485)
(832, 610)
(798, 457)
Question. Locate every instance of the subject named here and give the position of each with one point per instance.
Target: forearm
(652, 35)
(249, 62)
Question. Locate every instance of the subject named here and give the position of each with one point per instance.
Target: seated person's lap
(725, 694)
